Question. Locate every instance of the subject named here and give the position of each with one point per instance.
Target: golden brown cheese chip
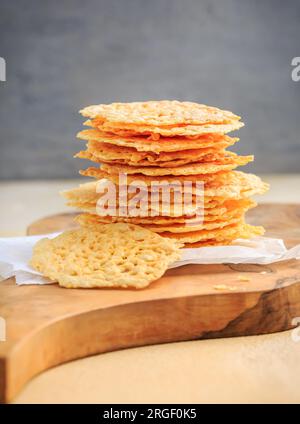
(182, 228)
(159, 113)
(213, 212)
(231, 181)
(161, 209)
(216, 235)
(212, 208)
(86, 219)
(92, 191)
(105, 157)
(208, 203)
(108, 153)
(86, 192)
(129, 130)
(189, 224)
(148, 144)
(226, 163)
(227, 233)
(114, 255)
(224, 213)
(234, 185)
(100, 173)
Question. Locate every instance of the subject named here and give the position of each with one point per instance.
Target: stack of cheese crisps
(163, 143)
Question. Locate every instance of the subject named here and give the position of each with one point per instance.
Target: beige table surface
(253, 369)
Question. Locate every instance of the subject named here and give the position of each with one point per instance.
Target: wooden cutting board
(49, 325)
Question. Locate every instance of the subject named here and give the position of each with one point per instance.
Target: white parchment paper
(15, 253)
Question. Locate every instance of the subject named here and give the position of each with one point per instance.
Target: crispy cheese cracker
(159, 113)
(227, 233)
(226, 163)
(157, 145)
(115, 255)
(184, 130)
(108, 153)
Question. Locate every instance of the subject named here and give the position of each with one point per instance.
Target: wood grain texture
(49, 325)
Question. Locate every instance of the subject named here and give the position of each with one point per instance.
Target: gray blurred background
(63, 55)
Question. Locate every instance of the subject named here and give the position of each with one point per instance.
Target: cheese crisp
(157, 144)
(113, 255)
(167, 118)
(163, 113)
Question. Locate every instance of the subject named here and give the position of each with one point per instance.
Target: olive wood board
(49, 325)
